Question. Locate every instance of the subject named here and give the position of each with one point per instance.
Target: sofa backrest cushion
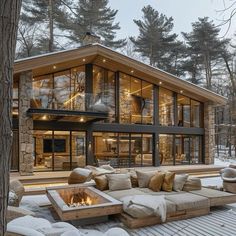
(119, 181)
(192, 183)
(144, 178)
(179, 182)
(156, 181)
(168, 181)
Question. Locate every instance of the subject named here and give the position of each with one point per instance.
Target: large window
(183, 104)
(62, 90)
(59, 150)
(15, 97)
(104, 91)
(166, 107)
(196, 119)
(166, 148)
(123, 149)
(136, 100)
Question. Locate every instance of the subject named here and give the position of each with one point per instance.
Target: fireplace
(76, 202)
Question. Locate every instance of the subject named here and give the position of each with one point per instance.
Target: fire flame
(84, 202)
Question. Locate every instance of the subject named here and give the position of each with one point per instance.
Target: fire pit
(76, 202)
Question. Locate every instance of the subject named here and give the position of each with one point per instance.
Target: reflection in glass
(166, 149)
(195, 113)
(183, 104)
(15, 98)
(42, 92)
(104, 91)
(166, 107)
(147, 109)
(78, 149)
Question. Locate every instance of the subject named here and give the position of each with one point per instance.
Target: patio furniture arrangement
(184, 196)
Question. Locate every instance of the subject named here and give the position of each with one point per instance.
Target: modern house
(92, 104)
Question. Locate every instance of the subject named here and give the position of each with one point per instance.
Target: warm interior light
(44, 117)
(160, 82)
(181, 91)
(84, 59)
(54, 67)
(104, 60)
(132, 71)
(81, 119)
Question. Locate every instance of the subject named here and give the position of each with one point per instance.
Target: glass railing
(49, 99)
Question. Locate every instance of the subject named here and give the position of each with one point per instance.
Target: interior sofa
(183, 204)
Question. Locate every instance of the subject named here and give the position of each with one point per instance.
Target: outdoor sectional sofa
(192, 202)
(180, 205)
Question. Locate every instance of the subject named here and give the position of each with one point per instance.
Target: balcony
(81, 107)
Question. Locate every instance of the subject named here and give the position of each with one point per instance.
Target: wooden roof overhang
(107, 58)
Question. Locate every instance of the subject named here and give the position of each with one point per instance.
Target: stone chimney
(90, 38)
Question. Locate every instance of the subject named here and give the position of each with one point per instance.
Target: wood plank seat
(216, 197)
(133, 223)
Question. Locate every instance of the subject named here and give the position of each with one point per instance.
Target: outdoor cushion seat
(216, 197)
(123, 193)
(185, 201)
(228, 175)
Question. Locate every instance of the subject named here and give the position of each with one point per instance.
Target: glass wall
(166, 107)
(123, 149)
(104, 91)
(58, 150)
(183, 104)
(62, 90)
(166, 149)
(136, 100)
(196, 114)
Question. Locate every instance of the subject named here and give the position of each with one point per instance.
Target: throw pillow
(119, 181)
(134, 180)
(101, 182)
(144, 178)
(168, 181)
(156, 181)
(192, 183)
(179, 182)
(107, 167)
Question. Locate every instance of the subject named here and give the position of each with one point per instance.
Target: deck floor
(220, 222)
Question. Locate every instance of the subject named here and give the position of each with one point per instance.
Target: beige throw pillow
(179, 182)
(156, 181)
(101, 182)
(168, 181)
(144, 178)
(119, 181)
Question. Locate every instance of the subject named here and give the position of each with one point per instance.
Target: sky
(184, 12)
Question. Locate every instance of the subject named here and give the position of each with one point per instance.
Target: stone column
(25, 125)
(209, 121)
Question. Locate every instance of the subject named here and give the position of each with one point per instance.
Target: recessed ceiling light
(44, 117)
(181, 91)
(54, 67)
(84, 59)
(81, 119)
(160, 82)
(132, 71)
(104, 60)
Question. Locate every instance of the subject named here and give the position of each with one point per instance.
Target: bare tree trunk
(51, 35)
(9, 15)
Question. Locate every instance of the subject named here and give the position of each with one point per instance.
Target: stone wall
(25, 125)
(209, 144)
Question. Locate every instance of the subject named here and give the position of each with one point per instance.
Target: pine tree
(48, 14)
(96, 17)
(204, 46)
(155, 40)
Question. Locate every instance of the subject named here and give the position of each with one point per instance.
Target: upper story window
(136, 100)
(183, 108)
(166, 107)
(62, 90)
(104, 91)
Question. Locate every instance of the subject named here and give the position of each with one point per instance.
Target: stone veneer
(209, 144)
(25, 125)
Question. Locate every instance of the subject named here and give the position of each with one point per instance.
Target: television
(59, 145)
